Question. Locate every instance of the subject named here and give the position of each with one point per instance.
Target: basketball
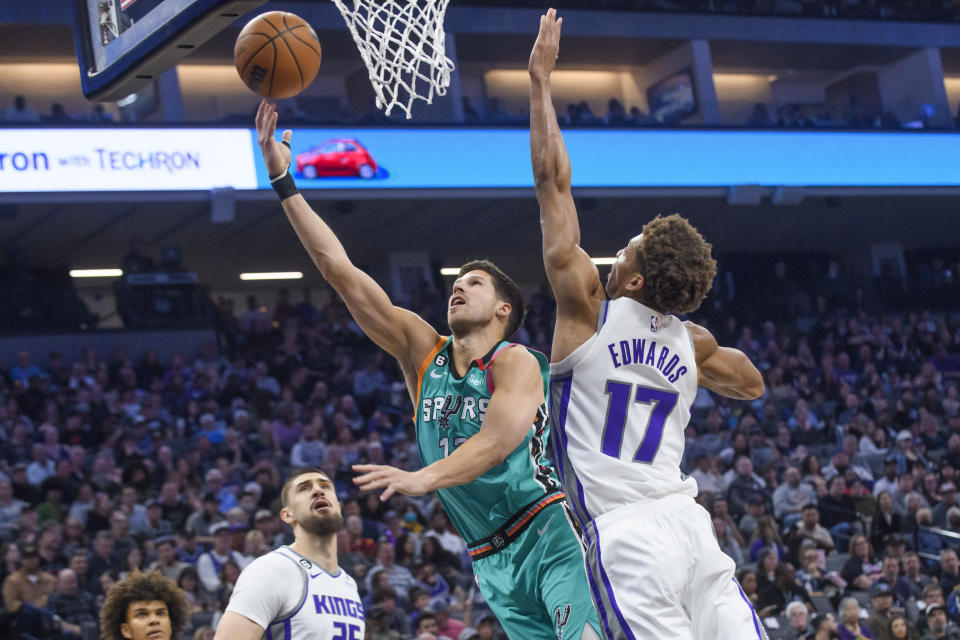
(277, 54)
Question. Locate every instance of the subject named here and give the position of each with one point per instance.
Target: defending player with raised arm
(298, 591)
(481, 420)
(574, 278)
(624, 372)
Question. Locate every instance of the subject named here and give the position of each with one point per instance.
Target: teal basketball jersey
(451, 409)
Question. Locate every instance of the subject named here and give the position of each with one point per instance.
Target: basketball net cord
(402, 44)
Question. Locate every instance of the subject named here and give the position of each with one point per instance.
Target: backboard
(124, 44)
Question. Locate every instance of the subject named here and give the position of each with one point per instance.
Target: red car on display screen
(337, 157)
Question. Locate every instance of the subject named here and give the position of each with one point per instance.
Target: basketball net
(402, 43)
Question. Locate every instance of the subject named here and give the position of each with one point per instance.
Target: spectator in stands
(766, 536)
(905, 454)
(376, 625)
(948, 499)
(720, 511)
(912, 573)
(837, 510)
(427, 626)
(901, 629)
(25, 593)
(10, 508)
(386, 600)
(881, 612)
(744, 485)
(167, 562)
(20, 112)
(785, 589)
(400, 578)
(901, 588)
(706, 474)
(446, 625)
(850, 626)
(756, 507)
(199, 600)
(309, 451)
(727, 543)
(809, 529)
(791, 497)
(58, 115)
(798, 619)
(863, 568)
(886, 522)
(441, 530)
(103, 558)
(949, 576)
(905, 487)
(938, 627)
(760, 117)
(74, 607)
(211, 563)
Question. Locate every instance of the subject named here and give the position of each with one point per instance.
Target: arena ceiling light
(454, 271)
(272, 275)
(96, 273)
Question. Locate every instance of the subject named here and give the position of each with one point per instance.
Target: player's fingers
(367, 477)
(286, 136)
(366, 484)
(386, 495)
(363, 468)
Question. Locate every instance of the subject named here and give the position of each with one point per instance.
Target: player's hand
(543, 58)
(276, 155)
(390, 479)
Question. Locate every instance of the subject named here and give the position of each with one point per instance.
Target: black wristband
(284, 185)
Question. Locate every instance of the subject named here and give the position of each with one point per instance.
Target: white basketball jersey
(294, 599)
(618, 407)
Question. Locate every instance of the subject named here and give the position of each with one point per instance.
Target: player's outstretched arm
(573, 277)
(233, 626)
(723, 370)
(517, 396)
(402, 333)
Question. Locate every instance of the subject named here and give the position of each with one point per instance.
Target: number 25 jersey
(619, 405)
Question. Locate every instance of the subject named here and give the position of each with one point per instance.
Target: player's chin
(323, 524)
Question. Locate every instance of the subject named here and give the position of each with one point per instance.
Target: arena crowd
(835, 493)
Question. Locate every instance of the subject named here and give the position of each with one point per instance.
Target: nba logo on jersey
(440, 360)
(654, 324)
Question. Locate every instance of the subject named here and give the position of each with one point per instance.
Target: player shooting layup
(624, 373)
(481, 424)
(298, 592)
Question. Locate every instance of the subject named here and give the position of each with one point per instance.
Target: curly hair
(142, 587)
(676, 265)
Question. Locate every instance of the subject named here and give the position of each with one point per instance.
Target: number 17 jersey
(619, 405)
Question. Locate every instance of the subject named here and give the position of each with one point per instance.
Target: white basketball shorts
(656, 572)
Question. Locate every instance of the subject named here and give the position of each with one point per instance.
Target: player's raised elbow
(755, 387)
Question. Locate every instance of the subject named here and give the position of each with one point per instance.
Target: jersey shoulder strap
(541, 358)
(425, 363)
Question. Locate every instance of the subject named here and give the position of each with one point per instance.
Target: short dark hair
(505, 287)
(676, 265)
(142, 587)
(426, 615)
(293, 476)
(808, 507)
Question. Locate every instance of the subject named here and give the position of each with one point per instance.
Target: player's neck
(473, 346)
(322, 551)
